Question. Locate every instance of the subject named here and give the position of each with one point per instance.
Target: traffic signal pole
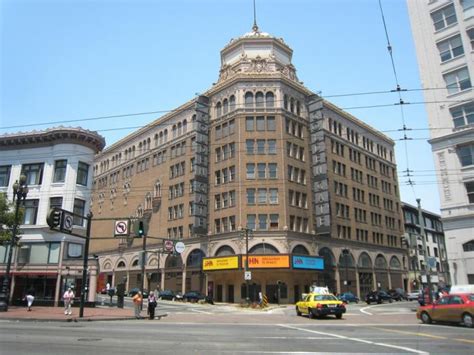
(84, 286)
(143, 262)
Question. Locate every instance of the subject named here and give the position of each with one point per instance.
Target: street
(386, 328)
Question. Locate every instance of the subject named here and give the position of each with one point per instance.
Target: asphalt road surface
(225, 329)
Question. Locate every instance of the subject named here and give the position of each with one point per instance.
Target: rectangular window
(5, 175)
(273, 196)
(260, 123)
(271, 125)
(470, 33)
(261, 167)
(82, 173)
(250, 143)
(444, 17)
(457, 80)
(249, 124)
(60, 170)
(251, 221)
(250, 171)
(466, 155)
(272, 171)
(262, 196)
(250, 196)
(274, 221)
(262, 222)
(470, 191)
(463, 115)
(79, 210)
(56, 202)
(260, 146)
(218, 132)
(271, 146)
(33, 173)
(30, 212)
(450, 48)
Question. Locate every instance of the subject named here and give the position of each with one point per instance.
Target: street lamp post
(20, 190)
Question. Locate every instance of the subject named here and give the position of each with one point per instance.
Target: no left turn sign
(121, 228)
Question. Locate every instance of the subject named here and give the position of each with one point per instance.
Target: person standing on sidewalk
(137, 303)
(30, 297)
(151, 305)
(68, 301)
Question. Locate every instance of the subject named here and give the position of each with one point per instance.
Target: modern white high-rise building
(443, 31)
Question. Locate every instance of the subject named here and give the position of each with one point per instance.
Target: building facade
(260, 166)
(443, 32)
(435, 248)
(57, 164)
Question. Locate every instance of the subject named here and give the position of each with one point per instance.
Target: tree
(7, 220)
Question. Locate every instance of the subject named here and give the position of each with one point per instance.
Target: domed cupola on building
(254, 53)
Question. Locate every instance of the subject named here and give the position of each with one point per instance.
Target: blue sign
(308, 262)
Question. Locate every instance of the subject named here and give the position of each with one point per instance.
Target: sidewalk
(57, 314)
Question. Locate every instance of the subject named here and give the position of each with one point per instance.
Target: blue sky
(70, 60)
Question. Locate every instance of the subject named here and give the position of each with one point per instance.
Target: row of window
(298, 199)
(227, 151)
(294, 128)
(260, 123)
(225, 129)
(262, 196)
(264, 171)
(260, 146)
(296, 175)
(295, 151)
(225, 224)
(263, 221)
(177, 170)
(225, 175)
(34, 173)
(299, 224)
(225, 200)
(176, 212)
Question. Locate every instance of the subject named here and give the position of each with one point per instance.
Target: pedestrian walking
(151, 305)
(260, 298)
(137, 303)
(30, 297)
(68, 298)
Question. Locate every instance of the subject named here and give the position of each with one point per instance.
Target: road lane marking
(355, 339)
(464, 340)
(427, 335)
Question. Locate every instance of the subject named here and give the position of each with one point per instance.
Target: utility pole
(143, 263)
(425, 254)
(84, 287)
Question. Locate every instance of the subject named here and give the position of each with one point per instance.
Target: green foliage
(7, 219)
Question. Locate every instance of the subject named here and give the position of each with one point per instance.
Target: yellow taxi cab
(320, 305)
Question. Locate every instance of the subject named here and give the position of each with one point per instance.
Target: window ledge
(459, 93)
(453, 59)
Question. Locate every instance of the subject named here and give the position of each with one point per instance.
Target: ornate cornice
(52, 136)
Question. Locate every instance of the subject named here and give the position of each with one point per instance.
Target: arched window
(249, 100)
(173, 261)
(218, 109)
(155, 139)
(328, 256)
(225, 250)
(269, 100)
(395, 263)
(121, 265)
(346, 260)
(298, 108)
(166, 135)
(195, 258)
(292, 105)
(365, 261)
(135, 263)
(157, 190)
(148, 204)
(140, 211)
(285, 102)
(108, 265)
(179, 129)
(259, 99)
(232, 103)
(380, 262)
(263, 248)
(225, 106)
(148, 142)
(160, 140)
(193, 118)
(185, 126)
(133, 152)
(173, 130)
(300, 250)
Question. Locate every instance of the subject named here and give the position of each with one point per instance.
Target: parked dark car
(378, 297)
(135, 290)
(167, 295)
(348, 297)
(194, 296)
(398, 294)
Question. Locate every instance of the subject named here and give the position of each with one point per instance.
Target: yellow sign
(231, 262)
(267, 261)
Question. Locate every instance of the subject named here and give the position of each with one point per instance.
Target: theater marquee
(223, 263)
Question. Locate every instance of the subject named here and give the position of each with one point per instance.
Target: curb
(79, 320)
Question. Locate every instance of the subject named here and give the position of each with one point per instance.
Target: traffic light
(54, 218)
(140, 228)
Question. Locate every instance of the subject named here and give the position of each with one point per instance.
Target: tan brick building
(257, 150)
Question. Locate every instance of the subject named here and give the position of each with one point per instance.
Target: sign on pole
(168, 246)
(68, 221)
(122, 228)
(179, 247)
(248, 275)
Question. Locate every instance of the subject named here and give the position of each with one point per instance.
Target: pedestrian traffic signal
(54, 218)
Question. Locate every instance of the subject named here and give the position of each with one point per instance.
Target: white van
(462, 289)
